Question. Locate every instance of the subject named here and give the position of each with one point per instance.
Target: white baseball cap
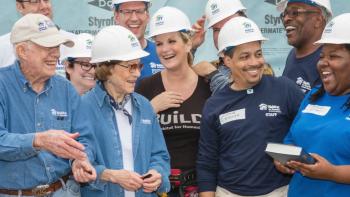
(237, 31)
(217, 10)
(337, 31)
(40, 30)
(168, 19)
(281, 6)
(116, 43)
(82, 47)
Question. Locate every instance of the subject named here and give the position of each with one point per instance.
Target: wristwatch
(210, 75)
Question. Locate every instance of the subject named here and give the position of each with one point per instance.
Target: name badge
(316, 109)
(232, 116)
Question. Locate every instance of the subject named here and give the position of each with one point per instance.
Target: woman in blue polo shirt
(322, 125)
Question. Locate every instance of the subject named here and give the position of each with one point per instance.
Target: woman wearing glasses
(77, 63)
(131, 155)
(177, 94)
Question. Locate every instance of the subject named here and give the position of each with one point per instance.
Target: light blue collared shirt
(23, 112)
(148, 144)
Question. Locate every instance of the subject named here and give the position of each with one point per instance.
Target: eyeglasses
(33, 1)
(295, 13)
(86, 66)
(128, 13)
(132, 67)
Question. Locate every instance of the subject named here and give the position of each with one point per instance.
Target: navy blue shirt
(303, 71)
(235, 128)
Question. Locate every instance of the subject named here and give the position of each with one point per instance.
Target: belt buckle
(41, 190)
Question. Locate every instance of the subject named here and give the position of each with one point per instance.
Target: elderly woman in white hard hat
(322, 124)
(177, 93)
(131, 155)
(78, 68)
(239, 120)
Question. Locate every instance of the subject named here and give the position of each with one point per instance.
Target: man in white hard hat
(304, 21)
(39, 118)
(44, 7)
(217, 13)
(239, 120)
(134, 15)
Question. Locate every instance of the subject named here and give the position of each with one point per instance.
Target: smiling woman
(132, 159)
(177, 94)
(323, 120)
(76, 60)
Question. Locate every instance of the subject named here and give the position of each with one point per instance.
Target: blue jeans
(70, 189)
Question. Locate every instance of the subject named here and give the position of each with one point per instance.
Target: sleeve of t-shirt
(207, 158)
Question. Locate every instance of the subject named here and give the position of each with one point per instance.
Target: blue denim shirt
(24, 112)
(149, 148)
(220, 79)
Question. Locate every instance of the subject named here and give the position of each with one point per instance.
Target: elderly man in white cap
(39, 118)
(217, 13)
(304, 21)
(44, 7)
(134, 15)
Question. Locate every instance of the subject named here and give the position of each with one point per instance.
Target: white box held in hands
(284, 153)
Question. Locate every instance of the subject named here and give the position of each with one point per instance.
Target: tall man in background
(134, 15)
(304, 21)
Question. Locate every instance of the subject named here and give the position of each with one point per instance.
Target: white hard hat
(168, 19)
(281, 6)
(337, 31)
(116, 2)
(217, 10)
(238, 30)
(116, 43)
(82, 47)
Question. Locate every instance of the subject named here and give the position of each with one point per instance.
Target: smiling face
(37, 62)
(172, 49)
(246, 64)
(303, 23)
(41, 7)
(122, 80)
(334, 69)
(81, 74)
(133, 16)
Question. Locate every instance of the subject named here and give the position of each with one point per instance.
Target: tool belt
(40, 190)
(184, 181)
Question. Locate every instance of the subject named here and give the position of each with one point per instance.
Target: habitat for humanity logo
(45, 24)
(274, 2)
(329, 27)
(248, 27)
(133, 41)
(159, 20)
(270, 110)
(104, 4)
(214, 8)
(88, 44)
